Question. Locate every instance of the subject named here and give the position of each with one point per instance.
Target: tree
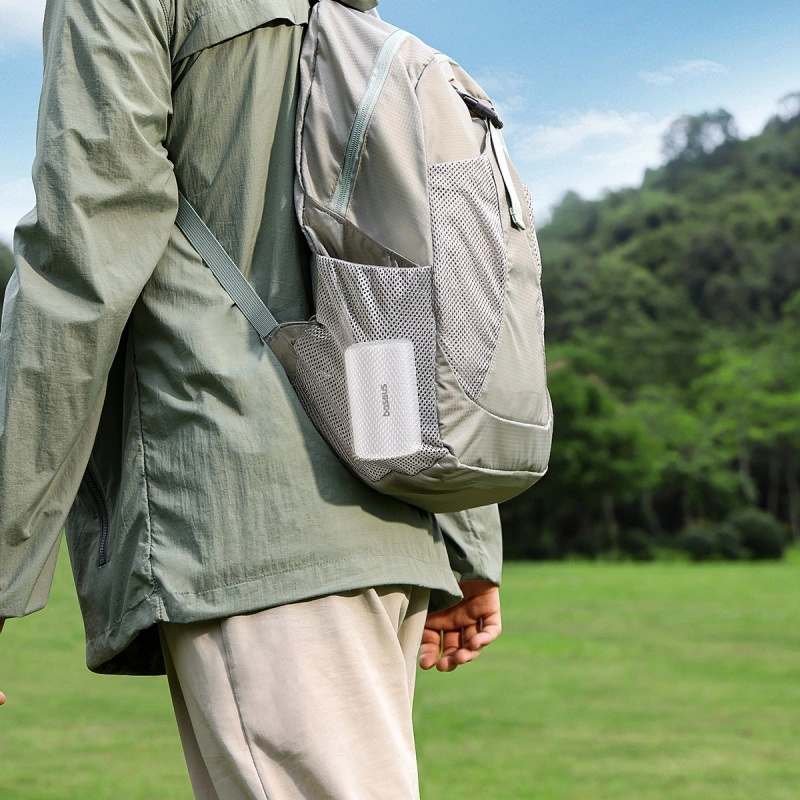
(574, 218)
(602, 457)
(784, 274)
(789, 107)
(692, 136)
(781, 422)
(724, 283)
(693, 464)
(732, 397)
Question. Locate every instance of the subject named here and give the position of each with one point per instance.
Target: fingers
(460, 616)
(431, 648)
(439, 649)
(447, 650)
(468, 612)
(475, 630)
(456, 651)
(457, 635)
(468, 633)
(451, 642)
(485, 636)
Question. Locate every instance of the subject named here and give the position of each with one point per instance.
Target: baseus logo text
(385, 399)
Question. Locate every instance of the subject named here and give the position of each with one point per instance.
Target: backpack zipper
(358, 133)
(93, 486)
(479, 108)
(494, 123)
(514, 206)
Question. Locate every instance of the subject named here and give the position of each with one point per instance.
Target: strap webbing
(514, 206)
(224, 269)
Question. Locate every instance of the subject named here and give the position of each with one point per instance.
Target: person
(212, 533)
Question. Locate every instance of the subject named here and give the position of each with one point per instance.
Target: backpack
(424, 365)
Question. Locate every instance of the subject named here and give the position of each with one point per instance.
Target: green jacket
(129, 380)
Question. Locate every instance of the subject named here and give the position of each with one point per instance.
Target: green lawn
(653, 682)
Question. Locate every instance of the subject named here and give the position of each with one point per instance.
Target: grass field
(653, 682)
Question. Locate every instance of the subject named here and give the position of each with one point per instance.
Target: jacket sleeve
(474, 543)
(106, 200)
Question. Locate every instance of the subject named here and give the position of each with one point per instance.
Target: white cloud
(573, 131)
(588, 152)
(20, 22)
(685, 69)
(16, 200)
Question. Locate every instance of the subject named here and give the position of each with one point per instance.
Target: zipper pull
(514, 206)
(480, 109)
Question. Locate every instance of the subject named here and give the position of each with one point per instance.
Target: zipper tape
(102, 509)
(358, 133)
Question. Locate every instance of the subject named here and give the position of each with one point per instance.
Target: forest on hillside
(673, 336)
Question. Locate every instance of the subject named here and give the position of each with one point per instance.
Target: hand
(457, 635)
(2, 696)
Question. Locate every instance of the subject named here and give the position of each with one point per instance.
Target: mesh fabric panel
(469, 262)
(358, 303)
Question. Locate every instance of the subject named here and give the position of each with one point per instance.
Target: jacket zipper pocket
(358, 133)
(93, 485)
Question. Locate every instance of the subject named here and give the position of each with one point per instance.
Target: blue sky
(587, 88)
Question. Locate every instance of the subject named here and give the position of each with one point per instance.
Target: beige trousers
(308, 701)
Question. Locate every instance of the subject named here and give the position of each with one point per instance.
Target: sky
(587, 89)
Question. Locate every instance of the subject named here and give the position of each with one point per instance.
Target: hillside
(673, 330)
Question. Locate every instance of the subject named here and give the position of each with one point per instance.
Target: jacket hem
(131, 646)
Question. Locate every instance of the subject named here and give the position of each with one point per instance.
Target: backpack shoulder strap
(225, 270)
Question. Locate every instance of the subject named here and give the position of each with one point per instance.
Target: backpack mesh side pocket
(357, 304)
